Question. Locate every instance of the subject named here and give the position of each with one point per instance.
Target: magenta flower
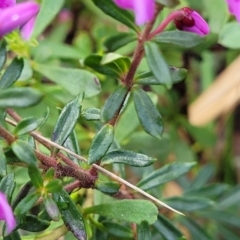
(6, 213)
(191, 21)
(20, 15)
(143, 9)
(234, 8)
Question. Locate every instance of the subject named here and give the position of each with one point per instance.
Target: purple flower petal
(234, 8)
(16, 16)
(27, 29)
(143, 9)
(200, 23)
(6, 3)
(6, 213)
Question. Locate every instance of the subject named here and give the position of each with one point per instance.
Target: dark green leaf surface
(67, 120)
(113, 103)
(7, 185)
(34, 224)
(101, 143)
(91, 114)
(107, 187)
(111, 9)
(189, 204)
(117, 41)
(147, 78)
(19, 97)
(143, 231)
(3, 163)
(157, 64)
(35, 176)
(165, 174)
(54, 186)
(127, 157)
(24, 152)
(48, 11)
(13, 236)
(12, 73)
(166, 228)
(26, 125)
(70, 215)
(118, 230)
(3, 54)
(148, 115)
(134, 211)
(73, 80)
(51, 208)
(180, 38)
(26, 204)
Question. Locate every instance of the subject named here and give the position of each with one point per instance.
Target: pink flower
(234, 8)
(191, 21)
(143, 9)
(6, 213)
(20, 15)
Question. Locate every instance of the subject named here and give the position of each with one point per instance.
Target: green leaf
(51, 208)
(147, 78)
(165, 174)
(12, 73)
(107, 187)
(167, 230)
(24, 152)
(119, 40)
(70, 214)
(143, 231)
(7, 185)
(19, 97)
(54, 186)
(26, 204)
(3, 54)
(101, 143)
(49, 175)
(127, 157)
(180, 38)
(13, 236)
(35, 176)
(3, 163)
(110, 69)
(67, 120)
(48, 10)
(111, 9)
(168, 3)
(157, 64)
(134, 211)
(229, 35)
(26, 125)
(72, 144)
(118, 230)
(189, 204)
(71, 79)
(91, 114)
(32, 223)
(148, 115)
(114, 103)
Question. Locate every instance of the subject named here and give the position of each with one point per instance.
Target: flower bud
(191, 21)
(234, 8)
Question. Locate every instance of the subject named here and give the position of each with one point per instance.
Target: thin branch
(103, 170)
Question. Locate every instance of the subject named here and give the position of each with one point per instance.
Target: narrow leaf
(114, 103)
(26, 125)
(180, 38)
(67, 120)
(127, 157)
(7, 185)
(118, 230)
(19, 97)
(157, 64)
(91, 114)
(165, 174)
(143, 231)
(35, 176)
(3, 54)
(115, 12)
(3, 163)
(12, 73)
(107, 187)
(70, 215)
(148, 115)
(24, 152)
(134, 211)
(101, 143)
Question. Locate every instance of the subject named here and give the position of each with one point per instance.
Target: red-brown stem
(165, 22)
(6, 135)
